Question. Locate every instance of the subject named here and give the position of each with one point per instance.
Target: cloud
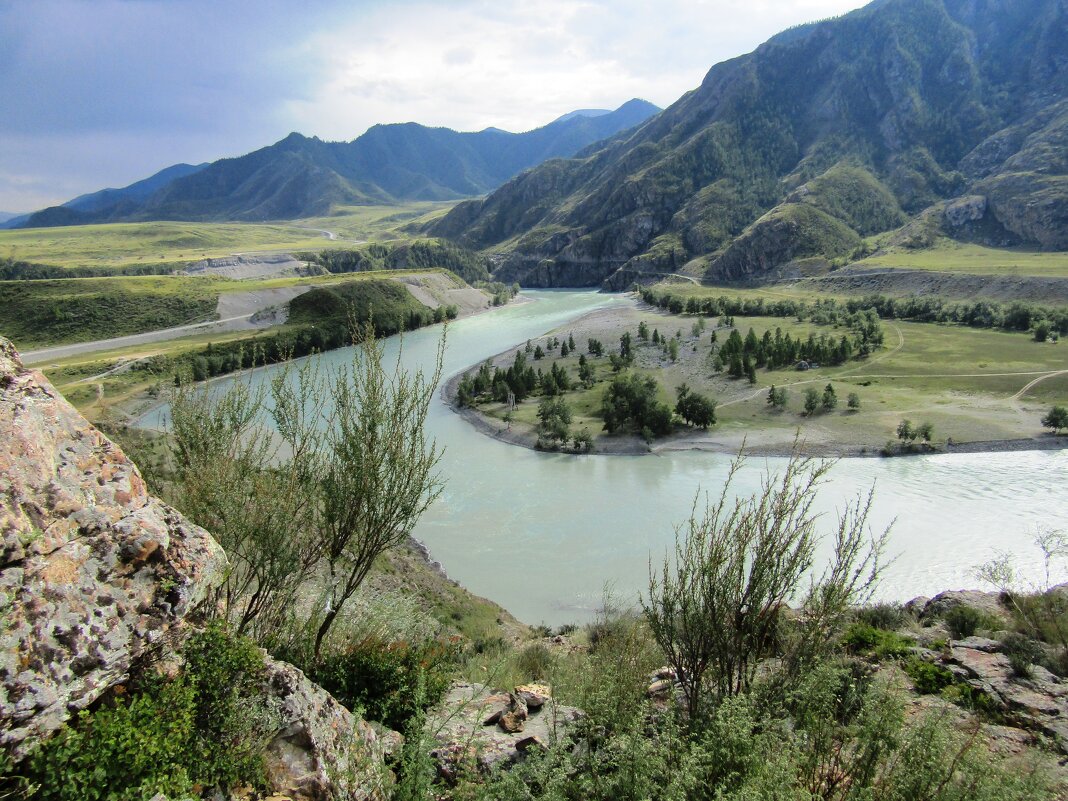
(104, 93)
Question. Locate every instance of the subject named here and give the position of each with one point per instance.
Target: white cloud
(108, 93)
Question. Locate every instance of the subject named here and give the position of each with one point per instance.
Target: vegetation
(36, 313)
(200, 732)
(415, 254)
(309, 504)
(1056, 420)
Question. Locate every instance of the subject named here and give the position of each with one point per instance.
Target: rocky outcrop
(989, 603)
(476, 728)
(321, 750)
(94, 572)
(96, 575)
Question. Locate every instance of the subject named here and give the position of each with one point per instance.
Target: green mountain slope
(304, 177)
(891, 110)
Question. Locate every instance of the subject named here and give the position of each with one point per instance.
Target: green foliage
(1056, 419)
(694, 408)
(207, 728)
(855, 196)
(417, 254)
(877, 643)
(535, 662)
(36, 313)
(1023, 652)
(927, 677)
(387, 305)
(630, 403)
(964, 621)
(387, 682)
(886, 616)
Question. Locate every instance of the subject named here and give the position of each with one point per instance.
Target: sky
(98, 93)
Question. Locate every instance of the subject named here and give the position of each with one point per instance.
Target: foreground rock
(321, 750)
(96, 575)
(94, 572)
(1038, 702)
(476, 728)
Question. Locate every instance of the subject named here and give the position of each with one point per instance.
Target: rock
(463, 744)
(1038, 703)
(988, 602)
(529, 744)
(666, 672)
(964, 210)
(94, 572)
(660, 687)
(321, 750)
(916, 605)
(511, 722)
(535, 696)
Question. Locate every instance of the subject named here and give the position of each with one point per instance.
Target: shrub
(963, 621)
(1023, 652)
(206, 728)
(888, 617)
(389, 682)
(535, 661)
(861, 638)
(927, 677)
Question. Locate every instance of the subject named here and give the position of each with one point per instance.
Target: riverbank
(986, 411)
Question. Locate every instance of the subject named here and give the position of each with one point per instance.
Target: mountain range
(305, 177)
(928, 117)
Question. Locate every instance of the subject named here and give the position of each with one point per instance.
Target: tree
(571, 342)
(586, 373)
(538, 353)
(905, 431)
(925, 431)
(695, 409)
(555, 416)
(812, 401)
(625, 347)
(714, 608)
(630, 403)
(830, 398)
(673, 350)
(777, 397)
(854, 402)
(1042, 330)
(643, 331)
(377, 471)
(1056, 419)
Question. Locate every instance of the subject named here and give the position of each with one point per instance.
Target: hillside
(950, 112)
(304, 177)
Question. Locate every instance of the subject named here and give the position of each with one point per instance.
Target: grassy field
(959, 257)
(119, 245)
(967, 383)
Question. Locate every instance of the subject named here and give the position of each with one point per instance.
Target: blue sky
(101, 93)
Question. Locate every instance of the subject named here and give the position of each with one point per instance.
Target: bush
(389, 682)
(1023, 653)
(889, 617)
(927, 677)
(206, 728)
(963, 621)
(535, 661)
(867, 640)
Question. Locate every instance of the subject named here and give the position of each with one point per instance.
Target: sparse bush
(535, 661)
(1023, 653)
(889, 617)
(879, 644)
(964, 621)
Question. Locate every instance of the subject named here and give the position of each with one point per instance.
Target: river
(545, 535)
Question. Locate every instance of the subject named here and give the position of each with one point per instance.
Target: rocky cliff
(98, 577)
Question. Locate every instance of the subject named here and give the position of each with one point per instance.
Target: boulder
(320, 750)
(535, 696)
(465, 742)
(987, 602)
(94, 572)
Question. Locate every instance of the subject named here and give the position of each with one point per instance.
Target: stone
(988, 602)
(529, 744)
(463, 745)
(94, 572)
(535, 696)
(659, 688)
(964, 210)
(511, 722)
(321, 750)
(1038, 703)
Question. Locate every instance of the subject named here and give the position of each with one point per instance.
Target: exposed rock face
(986, 602)
(321, 751)
(477, 728)
(1038, 702)
(94, 572)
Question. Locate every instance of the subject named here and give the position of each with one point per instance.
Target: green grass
(121, 245)
(38, 313)
(957, 257)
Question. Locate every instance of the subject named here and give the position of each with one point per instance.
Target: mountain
(85, 208)
(950, 113)
(8, 215)
(302, 177)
